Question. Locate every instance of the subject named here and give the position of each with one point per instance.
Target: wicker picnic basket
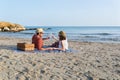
(25, 46)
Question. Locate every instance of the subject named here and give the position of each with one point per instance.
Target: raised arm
(55, 38)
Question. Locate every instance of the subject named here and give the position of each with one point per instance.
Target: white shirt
(65, 44)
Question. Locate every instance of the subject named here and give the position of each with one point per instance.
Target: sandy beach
(93, 61)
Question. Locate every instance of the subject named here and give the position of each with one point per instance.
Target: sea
(105, 34)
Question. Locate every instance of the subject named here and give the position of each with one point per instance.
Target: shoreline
(93, 61)
(102, 37)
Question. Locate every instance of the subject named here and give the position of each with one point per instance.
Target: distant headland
(11, 27)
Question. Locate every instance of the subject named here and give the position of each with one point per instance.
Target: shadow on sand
(8, 47)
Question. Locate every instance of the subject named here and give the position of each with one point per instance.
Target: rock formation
(11, 27)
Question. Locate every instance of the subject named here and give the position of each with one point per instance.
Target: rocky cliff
(11, 27)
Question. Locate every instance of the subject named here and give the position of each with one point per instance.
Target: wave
(104, 34)
(26, 33)
(91, 33)
(88, 35)
(110, 39)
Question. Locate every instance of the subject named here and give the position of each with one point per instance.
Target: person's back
(34, 38)
(37, 40)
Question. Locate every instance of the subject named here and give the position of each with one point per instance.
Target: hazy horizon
(61, 12)
(69, 26)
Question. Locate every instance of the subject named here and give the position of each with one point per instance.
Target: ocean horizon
(75, 33)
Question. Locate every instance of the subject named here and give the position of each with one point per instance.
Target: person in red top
(37, 40)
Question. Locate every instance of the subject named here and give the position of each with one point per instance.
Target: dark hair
(62, 35)
(37, 33)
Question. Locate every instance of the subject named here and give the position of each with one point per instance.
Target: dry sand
(94, 61)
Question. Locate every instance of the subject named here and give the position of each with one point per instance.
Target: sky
(61, 12)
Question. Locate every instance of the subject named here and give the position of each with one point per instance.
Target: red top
(37, 41)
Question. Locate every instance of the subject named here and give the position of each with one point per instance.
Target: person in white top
(62, 42)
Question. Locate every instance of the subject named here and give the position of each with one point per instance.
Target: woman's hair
(62, 35)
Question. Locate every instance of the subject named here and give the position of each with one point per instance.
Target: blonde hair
(62, 35)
